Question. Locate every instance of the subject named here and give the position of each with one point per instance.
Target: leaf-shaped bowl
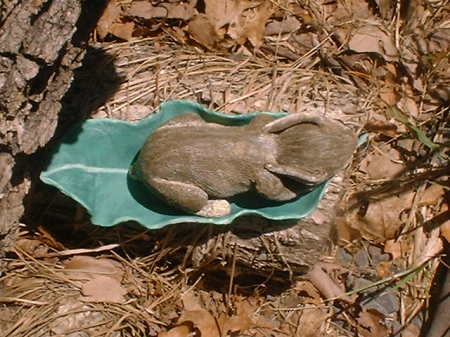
(91, 165)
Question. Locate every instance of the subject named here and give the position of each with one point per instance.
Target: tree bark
(37, 60)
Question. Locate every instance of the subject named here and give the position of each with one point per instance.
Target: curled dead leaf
(226, 12)
(382, 220)
(385, 163)
(103, 289)
(252, 25)
(179, 10)
(288, 25)
(191, 302)
(394, 248)
(31, 246)
(178, 331)
(88, 267)
(370, 324)
(311, 322)
(202, 31)
(308, 292)
(123, 31)
(371, 39)
(110, 15)
(241, 321)
(432, 195)
(432, 248)
(202, 320)
(388, 94)
(99, 279)
(240, 20)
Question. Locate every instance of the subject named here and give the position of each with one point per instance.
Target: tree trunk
(37, 60)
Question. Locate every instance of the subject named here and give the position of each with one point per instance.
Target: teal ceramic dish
(91, 165)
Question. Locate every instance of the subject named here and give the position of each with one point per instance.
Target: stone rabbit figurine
(196, 165)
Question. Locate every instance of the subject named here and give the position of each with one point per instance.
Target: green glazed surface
(91, 165)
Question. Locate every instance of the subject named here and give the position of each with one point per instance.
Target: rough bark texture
(37, 59)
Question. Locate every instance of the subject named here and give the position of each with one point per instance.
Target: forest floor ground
(383, 62)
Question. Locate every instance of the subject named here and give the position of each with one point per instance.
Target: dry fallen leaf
(239, 322)
(198, 316)
(225, 13)
(350, 9)
(202, 320)
(432, 248)
(103, 289)
(122, 30)
(256, 27)
(382, 220)
(408, 105)
(308, 292)
(311, 322)
(394, 248)
(191, 302)
(369, 324)
(385, 163)
(288, 25)
(88, 267)
(31, 246)
(432, 195)
(178, 331)
(202, 31)
(240, 20)
(208, 325)
(388, 94)
(251, 27)
(110, 15)
(371, 39)
(144, 9)
(99, 279)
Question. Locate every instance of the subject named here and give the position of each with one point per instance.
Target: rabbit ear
(303, 175)
(283, 123)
